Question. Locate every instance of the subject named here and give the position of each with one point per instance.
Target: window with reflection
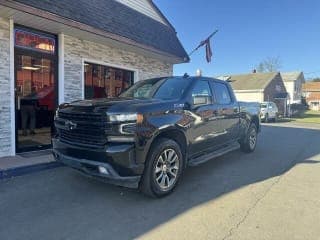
(104, 81)
(33, 41)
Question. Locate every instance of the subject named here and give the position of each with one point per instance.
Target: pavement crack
(291, 164)
(249, 210)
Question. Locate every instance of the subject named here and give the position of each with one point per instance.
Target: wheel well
(177, 136)
(255, 120)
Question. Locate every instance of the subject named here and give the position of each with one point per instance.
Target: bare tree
(270, 64)
(260, 67)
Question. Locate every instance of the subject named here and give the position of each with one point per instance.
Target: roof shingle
(114, 17)
(252, 81)
(311, 87)
(290, 76)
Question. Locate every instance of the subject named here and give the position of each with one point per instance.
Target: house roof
(290, 76)
(114, 17)
(311, 87)
(252, 81)
(313, 96)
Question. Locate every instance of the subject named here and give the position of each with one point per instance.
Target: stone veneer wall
(76, 49)
(5, 95)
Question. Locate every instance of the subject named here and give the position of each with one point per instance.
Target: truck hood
(109, 101)
(114, 104)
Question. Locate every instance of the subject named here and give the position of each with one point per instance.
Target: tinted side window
(222, 93)
(172, 88)
(202, 89)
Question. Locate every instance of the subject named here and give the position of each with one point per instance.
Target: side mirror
(200, 100)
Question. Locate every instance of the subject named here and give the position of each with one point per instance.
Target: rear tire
(163, 169)
(249, 142)
(275, 119)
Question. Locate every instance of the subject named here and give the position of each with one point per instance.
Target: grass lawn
(308, 116)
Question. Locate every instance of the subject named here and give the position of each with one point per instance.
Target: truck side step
(211, 155)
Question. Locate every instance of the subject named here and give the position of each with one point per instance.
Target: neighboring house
(259, 87)
(60, 51)
(311, 92)
(293, 82)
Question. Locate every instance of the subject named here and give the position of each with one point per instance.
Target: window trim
(106, 64)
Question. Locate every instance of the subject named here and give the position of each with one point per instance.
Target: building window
(104, 81)
(34, 41)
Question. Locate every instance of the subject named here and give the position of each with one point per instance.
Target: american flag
(206, 43)
(208, 49)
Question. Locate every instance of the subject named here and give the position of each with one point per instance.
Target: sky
(249, 32)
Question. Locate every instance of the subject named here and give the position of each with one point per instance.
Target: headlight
(126, 117)
(123, 117)
(129, 128)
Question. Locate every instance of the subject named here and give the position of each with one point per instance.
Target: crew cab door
(228, 111)
(204, 134)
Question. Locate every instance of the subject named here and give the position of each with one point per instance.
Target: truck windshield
(263, 105)
(160, 88)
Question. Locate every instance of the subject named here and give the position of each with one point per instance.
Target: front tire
(163, 168)
(249, 143)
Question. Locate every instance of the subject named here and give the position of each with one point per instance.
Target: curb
(19, 171)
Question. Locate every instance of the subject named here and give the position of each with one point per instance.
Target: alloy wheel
(252, 138)
(166, 169)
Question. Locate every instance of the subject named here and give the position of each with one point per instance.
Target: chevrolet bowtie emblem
(70, 125)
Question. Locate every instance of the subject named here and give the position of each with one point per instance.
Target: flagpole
(208, 38)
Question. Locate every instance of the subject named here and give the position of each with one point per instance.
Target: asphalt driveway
(273, 193)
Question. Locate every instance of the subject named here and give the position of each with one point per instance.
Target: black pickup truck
(148, 135)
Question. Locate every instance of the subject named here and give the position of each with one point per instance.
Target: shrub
(297, 109)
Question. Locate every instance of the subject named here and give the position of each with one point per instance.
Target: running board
(211, 155)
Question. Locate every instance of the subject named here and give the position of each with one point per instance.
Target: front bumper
(117, 160)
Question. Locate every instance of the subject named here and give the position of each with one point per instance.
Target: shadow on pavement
(61, 204)
(310, 161)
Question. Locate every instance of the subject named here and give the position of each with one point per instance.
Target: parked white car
(268, 111)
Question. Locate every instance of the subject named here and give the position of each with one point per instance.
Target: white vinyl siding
(249, 97)
(143, 6)
(290, 89)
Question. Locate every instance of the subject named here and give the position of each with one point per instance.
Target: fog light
(120, 139)
(103, 170)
